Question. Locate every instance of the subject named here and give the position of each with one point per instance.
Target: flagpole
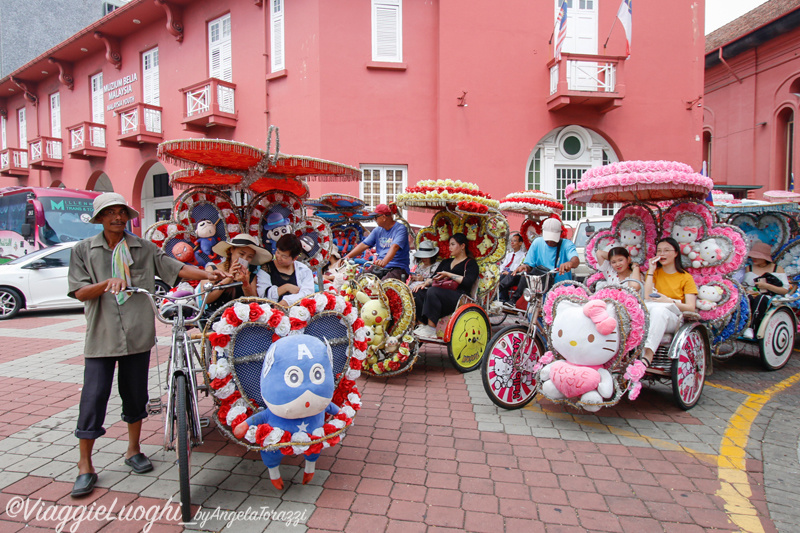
(555, 25)
(609, 31)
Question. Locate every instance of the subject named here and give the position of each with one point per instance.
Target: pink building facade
(404, 90)
(752, 90)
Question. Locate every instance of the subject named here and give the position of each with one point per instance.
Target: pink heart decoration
(572, 380)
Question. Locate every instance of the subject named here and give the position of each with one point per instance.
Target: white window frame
(96, 88)
(151, 87)
(22, 128)
(277, 41)
(55, 115)
(3, 139)
(220, 47)
(384, 198)
(382, 31)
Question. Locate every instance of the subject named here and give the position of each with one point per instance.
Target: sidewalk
(428, 451)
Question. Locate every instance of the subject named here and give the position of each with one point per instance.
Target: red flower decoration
(223, 412)
(218, 383)
(296, 323)
(255, 311)
(355, 364)
(262, 432)
(231, 219)
(275, 320)
(230, 316)
(313, 448)
(358, 323)
(238, 420)
(309, 304)
(287, 437)
(332, 303)
(217, 339)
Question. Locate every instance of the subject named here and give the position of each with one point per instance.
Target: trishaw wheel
(469, 332)
(184, 445)
(778, 341)
(507, 368)
(689, 367)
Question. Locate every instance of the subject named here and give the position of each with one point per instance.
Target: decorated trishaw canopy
(645, 181)
(782, 196)
(455, 194)
(757, 208)
(240, 165)
(335, 207)
(531, 203)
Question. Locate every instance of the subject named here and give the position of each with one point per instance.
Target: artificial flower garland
(437, 192)
(234, 409)
(531, 202)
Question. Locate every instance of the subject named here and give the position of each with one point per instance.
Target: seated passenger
(426, 258)
(240, 252)
(617, 266)
(763, 279)
(434, 303)
(549, 251)
(512, 260)
(669, 290)
(287, 280)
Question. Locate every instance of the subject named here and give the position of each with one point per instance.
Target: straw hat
(426, 249)
(242, 240)
(107, 199)
(761, 250)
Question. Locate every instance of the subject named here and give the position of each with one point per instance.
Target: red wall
(330, 105)
(742, 115)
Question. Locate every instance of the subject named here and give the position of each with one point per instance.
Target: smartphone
(654, 295)
(243, 262)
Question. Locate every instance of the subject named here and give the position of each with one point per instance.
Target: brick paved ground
(429, 451)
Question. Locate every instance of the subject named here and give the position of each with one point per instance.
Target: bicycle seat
(169, 310)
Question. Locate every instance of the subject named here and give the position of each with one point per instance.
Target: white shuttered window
(3, 141)
(150, 84)
(387, 30)
(55, 115)
(219, 49)
(277, 56)
(381, 184)
(98, 115)
(23, 128)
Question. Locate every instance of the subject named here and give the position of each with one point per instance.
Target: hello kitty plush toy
(687, 241)
(631, 239)
(709, 296)
(587, 337)
(710, 253)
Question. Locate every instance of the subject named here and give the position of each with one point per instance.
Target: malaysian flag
(561, 28)
(625, 16)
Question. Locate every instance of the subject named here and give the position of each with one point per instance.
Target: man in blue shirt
(543, 251)
(390, 240)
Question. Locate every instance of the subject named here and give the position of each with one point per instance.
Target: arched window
(535, 172)
(707, 151)
(785, 144)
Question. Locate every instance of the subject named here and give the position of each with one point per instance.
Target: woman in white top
(426, 259)
(763, 279)
(287, 280)
(617, 266)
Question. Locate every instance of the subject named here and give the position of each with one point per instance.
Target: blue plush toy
(275, 227)
(297, 385)
(206, 239)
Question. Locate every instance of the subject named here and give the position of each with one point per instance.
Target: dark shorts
(98, 377)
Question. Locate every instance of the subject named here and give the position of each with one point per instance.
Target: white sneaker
(748, 334)
(425, 331)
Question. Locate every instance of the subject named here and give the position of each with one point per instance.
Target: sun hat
(381, 209)
(242, 240)
(761, 250)
(426, 249)
(107, 199)
(551, 230)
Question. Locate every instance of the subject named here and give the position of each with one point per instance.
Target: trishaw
(776, 225)
(240, 335)
(463, 207)
(346, 215)
(606, 362)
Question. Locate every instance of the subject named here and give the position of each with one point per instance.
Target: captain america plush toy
(297, 385)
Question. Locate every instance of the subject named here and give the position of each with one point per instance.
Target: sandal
(84, 485)
(140, 463)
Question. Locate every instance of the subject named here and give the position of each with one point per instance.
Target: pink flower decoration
(635, 371)
(635, 390)
(546, 359)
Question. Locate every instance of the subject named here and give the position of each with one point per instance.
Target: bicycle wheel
(507, 369)
(184, 444)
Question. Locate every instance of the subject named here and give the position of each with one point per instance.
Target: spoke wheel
(184, 444)
(469, 331)
(689, 368)
(778, 341)
(507, 369)
(10, 303)
(161, 288)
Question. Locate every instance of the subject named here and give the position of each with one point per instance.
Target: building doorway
(157, 196)
(560, 158)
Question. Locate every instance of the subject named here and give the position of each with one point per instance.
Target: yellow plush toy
(375, 316)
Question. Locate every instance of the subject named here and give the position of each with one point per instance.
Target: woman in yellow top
(670, 291)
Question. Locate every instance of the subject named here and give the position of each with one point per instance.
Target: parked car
(587, 227)
(39, 281)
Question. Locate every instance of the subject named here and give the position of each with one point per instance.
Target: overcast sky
(720, 12)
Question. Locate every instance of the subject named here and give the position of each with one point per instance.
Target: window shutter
(98, 116)
(23, 129)
(55, 115)
(3, 142)
(277, 43)
(150, 81)
(387, 42)
(219, 49)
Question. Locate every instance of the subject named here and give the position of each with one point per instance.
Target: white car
(39, 281)
(584, 230)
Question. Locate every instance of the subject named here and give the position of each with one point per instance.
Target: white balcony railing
(582, 75)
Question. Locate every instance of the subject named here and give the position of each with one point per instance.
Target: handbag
(449, 284)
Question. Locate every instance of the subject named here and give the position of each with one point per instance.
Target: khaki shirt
(112, 329)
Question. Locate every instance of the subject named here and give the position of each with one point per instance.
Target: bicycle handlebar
(208, 289)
